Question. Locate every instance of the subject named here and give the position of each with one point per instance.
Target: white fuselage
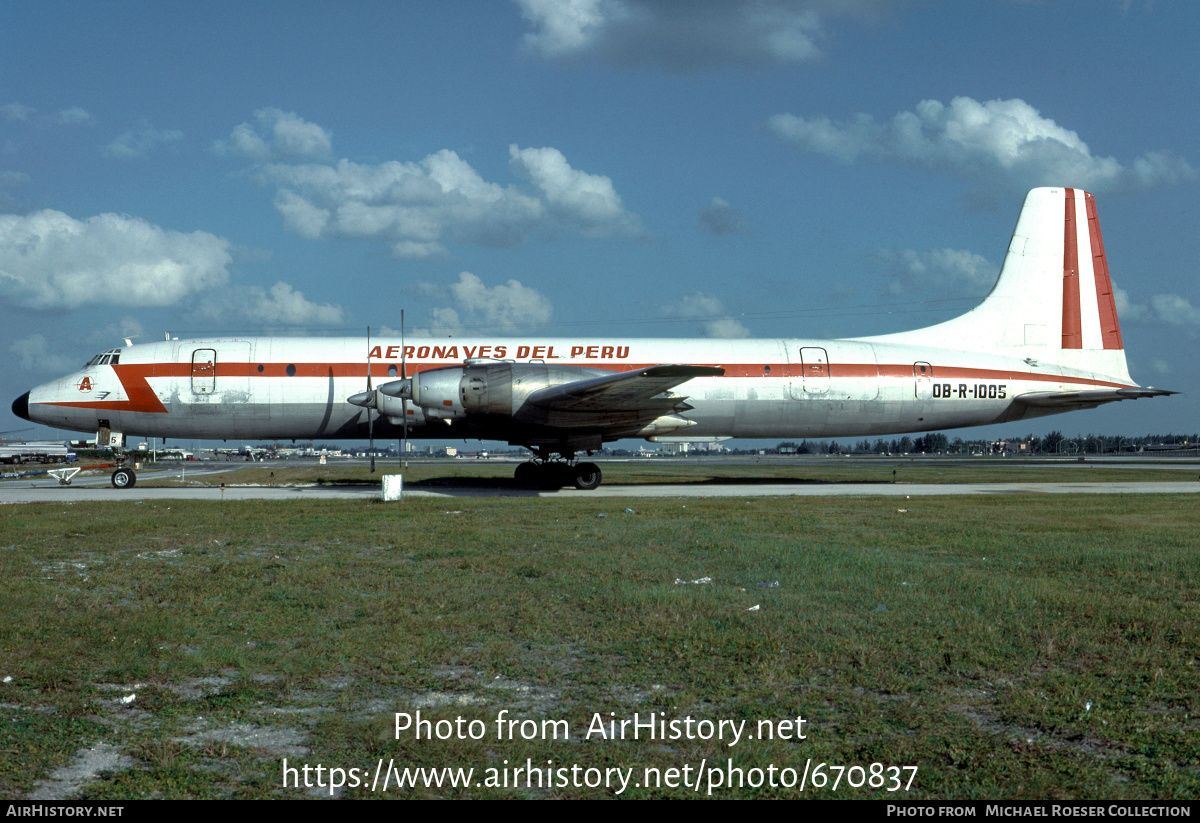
(274, 387)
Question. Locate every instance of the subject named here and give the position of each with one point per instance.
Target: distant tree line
(1054, 442)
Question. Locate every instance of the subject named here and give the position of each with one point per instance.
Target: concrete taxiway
(99, 490)
(201, 481)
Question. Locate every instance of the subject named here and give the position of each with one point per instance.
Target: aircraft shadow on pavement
(435, 483)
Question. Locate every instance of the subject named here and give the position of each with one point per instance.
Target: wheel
(123, 479)
(16, 459)
(554, 476)
(526, 475)
(587, 476)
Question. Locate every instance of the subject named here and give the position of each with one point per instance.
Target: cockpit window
(109, 358)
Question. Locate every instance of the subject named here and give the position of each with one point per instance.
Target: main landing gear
(554, 474)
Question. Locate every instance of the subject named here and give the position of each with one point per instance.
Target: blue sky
(601, 167)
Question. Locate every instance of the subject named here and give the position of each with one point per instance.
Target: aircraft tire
(554, 476)
(526, 475)
(123, 479)
(587, 476)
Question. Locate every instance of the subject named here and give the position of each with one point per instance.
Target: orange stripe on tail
(1072, 325)
(1110, 327)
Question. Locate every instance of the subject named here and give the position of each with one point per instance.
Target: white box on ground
(393, 487)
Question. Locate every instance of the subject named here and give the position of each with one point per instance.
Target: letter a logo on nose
(85, 385)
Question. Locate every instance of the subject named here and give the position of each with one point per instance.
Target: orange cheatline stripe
(1072, 327)
(1110, 327)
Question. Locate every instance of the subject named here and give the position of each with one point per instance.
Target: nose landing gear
(123, 478)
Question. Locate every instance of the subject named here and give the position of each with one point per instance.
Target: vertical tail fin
(1053, 300)
(1089, 318)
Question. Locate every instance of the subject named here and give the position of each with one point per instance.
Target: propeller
(403, 400)
(377, 399)
(370, 417)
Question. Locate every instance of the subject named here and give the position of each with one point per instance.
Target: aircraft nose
(20, 406)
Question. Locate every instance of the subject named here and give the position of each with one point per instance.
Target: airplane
(1045, 340)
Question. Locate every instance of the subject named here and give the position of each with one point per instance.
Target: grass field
(1007, 647)
(816, 471)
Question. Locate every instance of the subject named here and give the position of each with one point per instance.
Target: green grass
(1010, 647)
(440, 473)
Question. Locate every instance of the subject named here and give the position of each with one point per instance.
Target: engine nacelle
(487, 388)
(439, 394)
(393, 408)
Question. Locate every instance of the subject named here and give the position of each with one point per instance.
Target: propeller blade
(403, 398)
(370, 416)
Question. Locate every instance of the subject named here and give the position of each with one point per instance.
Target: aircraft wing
(632, 391)
(1086, 399)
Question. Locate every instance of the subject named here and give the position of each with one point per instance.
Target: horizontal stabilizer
(1087, 399)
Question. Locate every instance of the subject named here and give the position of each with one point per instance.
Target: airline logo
(455, 353)
(1089, 318)
(85, 385)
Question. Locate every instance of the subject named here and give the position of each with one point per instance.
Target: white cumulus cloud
(710, 311)
(49, 260)
(952, 271)
(505, 307)
(127, 326)
(1126, 308)
(1175, 310)
(20, 113)
(140, 141)
(718, 218)
(418, 208)
(1005, 142)
(684, 35)
(74, 116)
(1162, 309)
(588, 201)
(33, 354)
(277, 134)
(280, 305)
(563, 28)
(17, 112)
